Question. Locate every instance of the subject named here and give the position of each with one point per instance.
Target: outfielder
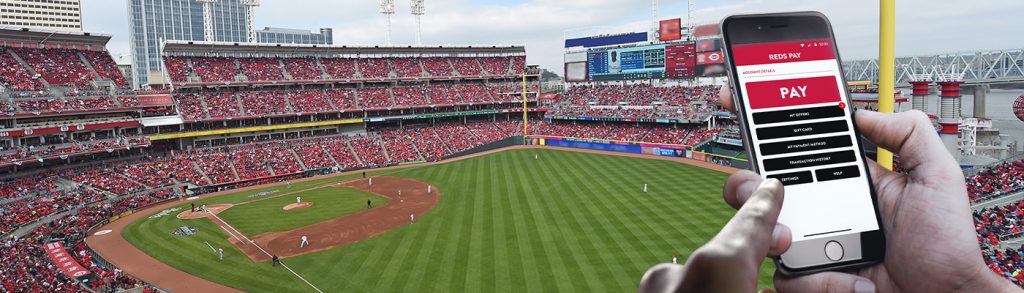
(305, 241)
(645, 187)
(220, 251)
(298, 199)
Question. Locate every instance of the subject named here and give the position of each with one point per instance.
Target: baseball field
(519, 220)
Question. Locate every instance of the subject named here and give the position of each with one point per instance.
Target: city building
(155, 21)
(63, 15)
(295, 36)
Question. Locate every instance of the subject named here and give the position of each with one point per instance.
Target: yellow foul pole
(525, 119)
(886, 67)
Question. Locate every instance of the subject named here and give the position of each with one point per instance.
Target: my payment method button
(837, 173)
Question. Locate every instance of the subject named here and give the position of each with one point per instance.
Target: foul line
(264, 251)
(211, 246)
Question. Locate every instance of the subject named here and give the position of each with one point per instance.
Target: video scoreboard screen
(646, 62)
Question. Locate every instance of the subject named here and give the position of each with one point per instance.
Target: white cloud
(923, 26)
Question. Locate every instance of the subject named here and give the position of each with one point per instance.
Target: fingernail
(863, 286)
(776, 234)
(767, 183)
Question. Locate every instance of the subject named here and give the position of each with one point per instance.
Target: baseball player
(645, 187)
(674, 259)
(220, 251)
(369, 204)
(371, 181)
(274, 261)
(399, 193)
(412, 218)
(428, 188)
(305, 241)
(298, 199)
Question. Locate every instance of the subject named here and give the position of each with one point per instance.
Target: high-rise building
(294, 36)
(47, 14)
(155, 21)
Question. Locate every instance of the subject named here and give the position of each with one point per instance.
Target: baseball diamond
(504, 221)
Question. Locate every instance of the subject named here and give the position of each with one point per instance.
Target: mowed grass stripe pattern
(566, 222)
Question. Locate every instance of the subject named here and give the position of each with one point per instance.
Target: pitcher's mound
(298, 206)
(212, 208)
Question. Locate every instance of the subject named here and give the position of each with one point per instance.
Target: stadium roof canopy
(194, 48)
(16, 34)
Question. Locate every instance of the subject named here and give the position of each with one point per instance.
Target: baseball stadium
(287, 167)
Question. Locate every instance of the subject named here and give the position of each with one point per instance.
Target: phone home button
(834, 250)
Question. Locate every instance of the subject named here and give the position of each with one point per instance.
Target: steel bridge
(981, 67)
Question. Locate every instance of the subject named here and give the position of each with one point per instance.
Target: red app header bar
(792, 92)
(782, 52)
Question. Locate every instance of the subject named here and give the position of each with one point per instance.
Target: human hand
(931, 242)
(730, 262)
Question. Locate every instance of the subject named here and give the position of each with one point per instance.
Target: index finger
(725, 99)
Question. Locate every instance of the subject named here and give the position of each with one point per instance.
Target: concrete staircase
(206, 108)
(284, 72)
(354, 153)
(297, 159)
(28, 67)
(330, 156)
(380, 141)
(201, 172)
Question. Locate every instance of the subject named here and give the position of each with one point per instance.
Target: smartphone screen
(798, 121)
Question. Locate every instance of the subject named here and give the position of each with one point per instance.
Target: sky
(922, 26)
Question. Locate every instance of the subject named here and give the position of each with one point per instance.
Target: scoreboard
(645, 62)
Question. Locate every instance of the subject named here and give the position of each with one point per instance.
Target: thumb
(825, 282)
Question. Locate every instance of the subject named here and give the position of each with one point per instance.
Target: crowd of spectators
(1003, 179)
(15, 76)
(406, 67)
(374, 67)
(105, 67)
(261, 69)
(374, 98)
(67, 146)
(212, 69)
(224, 69)
(409, 96)
(437, 66)
(303, 68)
(264, 103)
(59, 67)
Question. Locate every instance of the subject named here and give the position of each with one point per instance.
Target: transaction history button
(837, 173)
(809, 161)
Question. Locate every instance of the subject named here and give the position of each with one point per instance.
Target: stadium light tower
(250, 19)
(655, 27)
(418, 10)
(387, 8)
(689, 18)
(207, 19)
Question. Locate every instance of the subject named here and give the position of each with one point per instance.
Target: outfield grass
(568, 222)
(267, 215)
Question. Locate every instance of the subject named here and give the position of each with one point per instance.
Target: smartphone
(795, 115)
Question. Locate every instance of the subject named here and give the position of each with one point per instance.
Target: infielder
(428, 188)
(674, 259)
(298, 199)
(305, 241)
(412, 218)
(371, 181)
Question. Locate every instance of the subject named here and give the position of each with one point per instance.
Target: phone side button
(795, 178)
(834, 250)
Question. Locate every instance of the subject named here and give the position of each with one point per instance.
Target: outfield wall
(653, 149)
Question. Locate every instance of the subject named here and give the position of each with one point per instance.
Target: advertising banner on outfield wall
(68, 265)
